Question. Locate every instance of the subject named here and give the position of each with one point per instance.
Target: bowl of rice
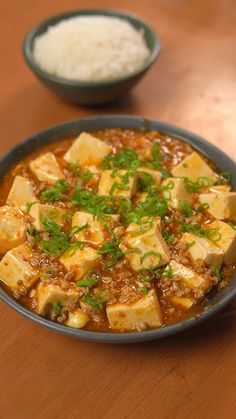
(91, 56)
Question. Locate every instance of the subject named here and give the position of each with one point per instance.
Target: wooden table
(193, 85)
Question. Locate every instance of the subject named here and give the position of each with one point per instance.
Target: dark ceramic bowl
(36, 141)
(91, 93)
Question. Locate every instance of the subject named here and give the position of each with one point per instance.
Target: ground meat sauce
(116, 282)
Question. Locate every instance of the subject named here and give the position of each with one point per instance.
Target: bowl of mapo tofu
(117, 229)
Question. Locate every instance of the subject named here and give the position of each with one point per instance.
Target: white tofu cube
(41, 211)
(203, 249)
(145, 251)
(81, 261)
(127, 317)
(46, 168)
(176, 192)
(219, 188)
(21, 192)
(156, 176)
(87, 150)
(146, 224)
(141, 197)
(16, 270)
(189, 278)
(47, 294)
(77, 319)
(184, 303)
(193, 167)
(227, 240)
(13, 228)
(93, 233)
(122, 184)
(221, 205)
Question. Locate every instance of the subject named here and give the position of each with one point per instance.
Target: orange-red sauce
(120, 277)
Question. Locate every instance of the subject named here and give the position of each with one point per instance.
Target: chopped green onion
(29, 205)
(89, 201)
(54, 194)
(145, 290)
(57, 307)
(190, 244)
(86, 175)
(214, 234)
(168, 272)
(165, 172)
(73, 167)
(94, 302)
(127, 159)
(119, 186)
(151, 253)
(201, 182)
(152, 205)
(195, 228)
(111, 252)
(133, 250)
(217, 274)
(59, 241)
(169, 238)
(168, 186)
(150, 274)
(144, 225)
(186, 209)
(202, 207)
(33, 232)
(232, 225)
(78, 229)
(145, 180)
(73, 247)
(88, 282)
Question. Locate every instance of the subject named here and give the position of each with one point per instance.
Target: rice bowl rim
(131, 18)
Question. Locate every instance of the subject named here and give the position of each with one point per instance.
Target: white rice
(91, 48)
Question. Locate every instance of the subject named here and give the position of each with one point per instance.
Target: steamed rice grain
(91, 48)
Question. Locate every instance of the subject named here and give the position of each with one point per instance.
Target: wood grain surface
(44, 375)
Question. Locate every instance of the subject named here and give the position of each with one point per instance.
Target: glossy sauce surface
(117, 283)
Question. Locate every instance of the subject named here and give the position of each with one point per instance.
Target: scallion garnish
(186, 209)
(201, 182)
(202, 207)
(89, 201)
(168, 186)
(29, 205)
(57, 307)
(110, 251)
(168, 272)
(127, 159)
(151, 253)
(168, 237)
(145, 181)
(58, 241)
(88, 282)
(54, 194)
(217, 274)
(190, 244)
(94, 302)
(145, 290)
(195, 228)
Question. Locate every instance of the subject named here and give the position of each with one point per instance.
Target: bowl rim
(32, 34)
(74, 127)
